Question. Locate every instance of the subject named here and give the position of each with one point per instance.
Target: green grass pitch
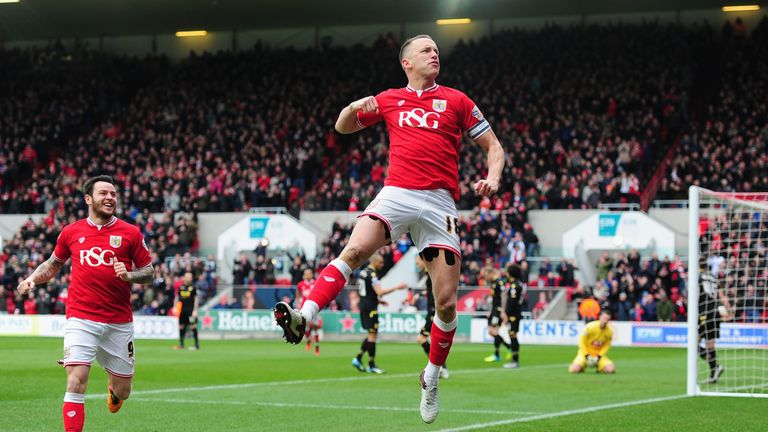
(264, 385)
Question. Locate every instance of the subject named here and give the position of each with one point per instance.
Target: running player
(187, 297)
(370, 290)
(712, 301)
(303, 288)
(108, 255)
(426, 122)
(498, 286)
(513, 311)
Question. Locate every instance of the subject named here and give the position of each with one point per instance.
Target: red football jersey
(425, 129)
(302, 290)
(95, 292)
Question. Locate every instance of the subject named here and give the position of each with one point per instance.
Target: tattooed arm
(140, 276)
(42, 274)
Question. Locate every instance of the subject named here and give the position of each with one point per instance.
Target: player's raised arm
(347, 122)
(495, 152)
(42, 274)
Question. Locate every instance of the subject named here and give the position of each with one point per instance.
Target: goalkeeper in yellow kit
(594, 343)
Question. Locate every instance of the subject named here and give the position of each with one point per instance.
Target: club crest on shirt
(439, 105)
(476, 113)
(115, 241)
(81, 240)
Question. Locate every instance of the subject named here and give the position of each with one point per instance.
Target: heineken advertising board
(342, 322)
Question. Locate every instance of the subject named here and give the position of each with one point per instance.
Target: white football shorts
(429, 215)
(110, 344)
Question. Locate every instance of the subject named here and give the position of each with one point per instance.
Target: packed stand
(570, 142)
(727, 148)
(216, 132)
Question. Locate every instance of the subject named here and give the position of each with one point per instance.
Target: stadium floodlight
(453, 21)
(9, 1)
(191, 33)
(741, 8)
(727, 269)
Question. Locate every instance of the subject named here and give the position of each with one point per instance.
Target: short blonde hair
(408, 42)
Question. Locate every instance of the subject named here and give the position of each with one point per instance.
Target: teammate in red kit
(425, 123)
(303, 288)
(108, 255)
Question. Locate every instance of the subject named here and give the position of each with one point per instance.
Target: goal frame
(693, 388)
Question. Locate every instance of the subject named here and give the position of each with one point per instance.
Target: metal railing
(619, 206)
(268, 210)
(670, 204)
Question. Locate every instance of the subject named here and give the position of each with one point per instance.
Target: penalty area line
(548, 416)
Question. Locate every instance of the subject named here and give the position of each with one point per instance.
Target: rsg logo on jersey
(418, 117)
(96, 256)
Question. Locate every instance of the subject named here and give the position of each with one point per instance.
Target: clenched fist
(122, 272)
(367, 105)
(25, 286)
(486, 187)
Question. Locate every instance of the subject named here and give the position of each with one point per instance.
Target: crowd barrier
(470, 327)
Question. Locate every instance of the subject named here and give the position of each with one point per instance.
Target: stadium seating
(223, 132)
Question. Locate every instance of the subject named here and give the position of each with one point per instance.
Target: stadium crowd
(571, 143)
(218, 132)
(725, 150)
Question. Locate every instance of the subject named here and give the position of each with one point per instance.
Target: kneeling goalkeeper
(594, 343)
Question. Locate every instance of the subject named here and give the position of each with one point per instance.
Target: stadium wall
(145, 327)
(307, 37)
(401, 327)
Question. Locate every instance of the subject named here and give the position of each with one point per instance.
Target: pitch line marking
(413, 375)
(563, 413)
(322, 406)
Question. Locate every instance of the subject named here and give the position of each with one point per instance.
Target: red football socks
(327, 286)
(74, 416)
(441, 343)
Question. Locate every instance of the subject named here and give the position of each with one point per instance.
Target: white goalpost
(727, 293)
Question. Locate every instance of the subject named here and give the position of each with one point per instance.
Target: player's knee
(121, 389)
(76, 383)
(446, 310)
(609, 369)
(575, 368)
(354, 256)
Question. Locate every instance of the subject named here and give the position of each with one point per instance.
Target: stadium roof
(48, 19)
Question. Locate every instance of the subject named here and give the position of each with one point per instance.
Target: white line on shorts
(413, 375)
(321, 406)
(563, 413)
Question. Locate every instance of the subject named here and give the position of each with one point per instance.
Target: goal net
(727, 313)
